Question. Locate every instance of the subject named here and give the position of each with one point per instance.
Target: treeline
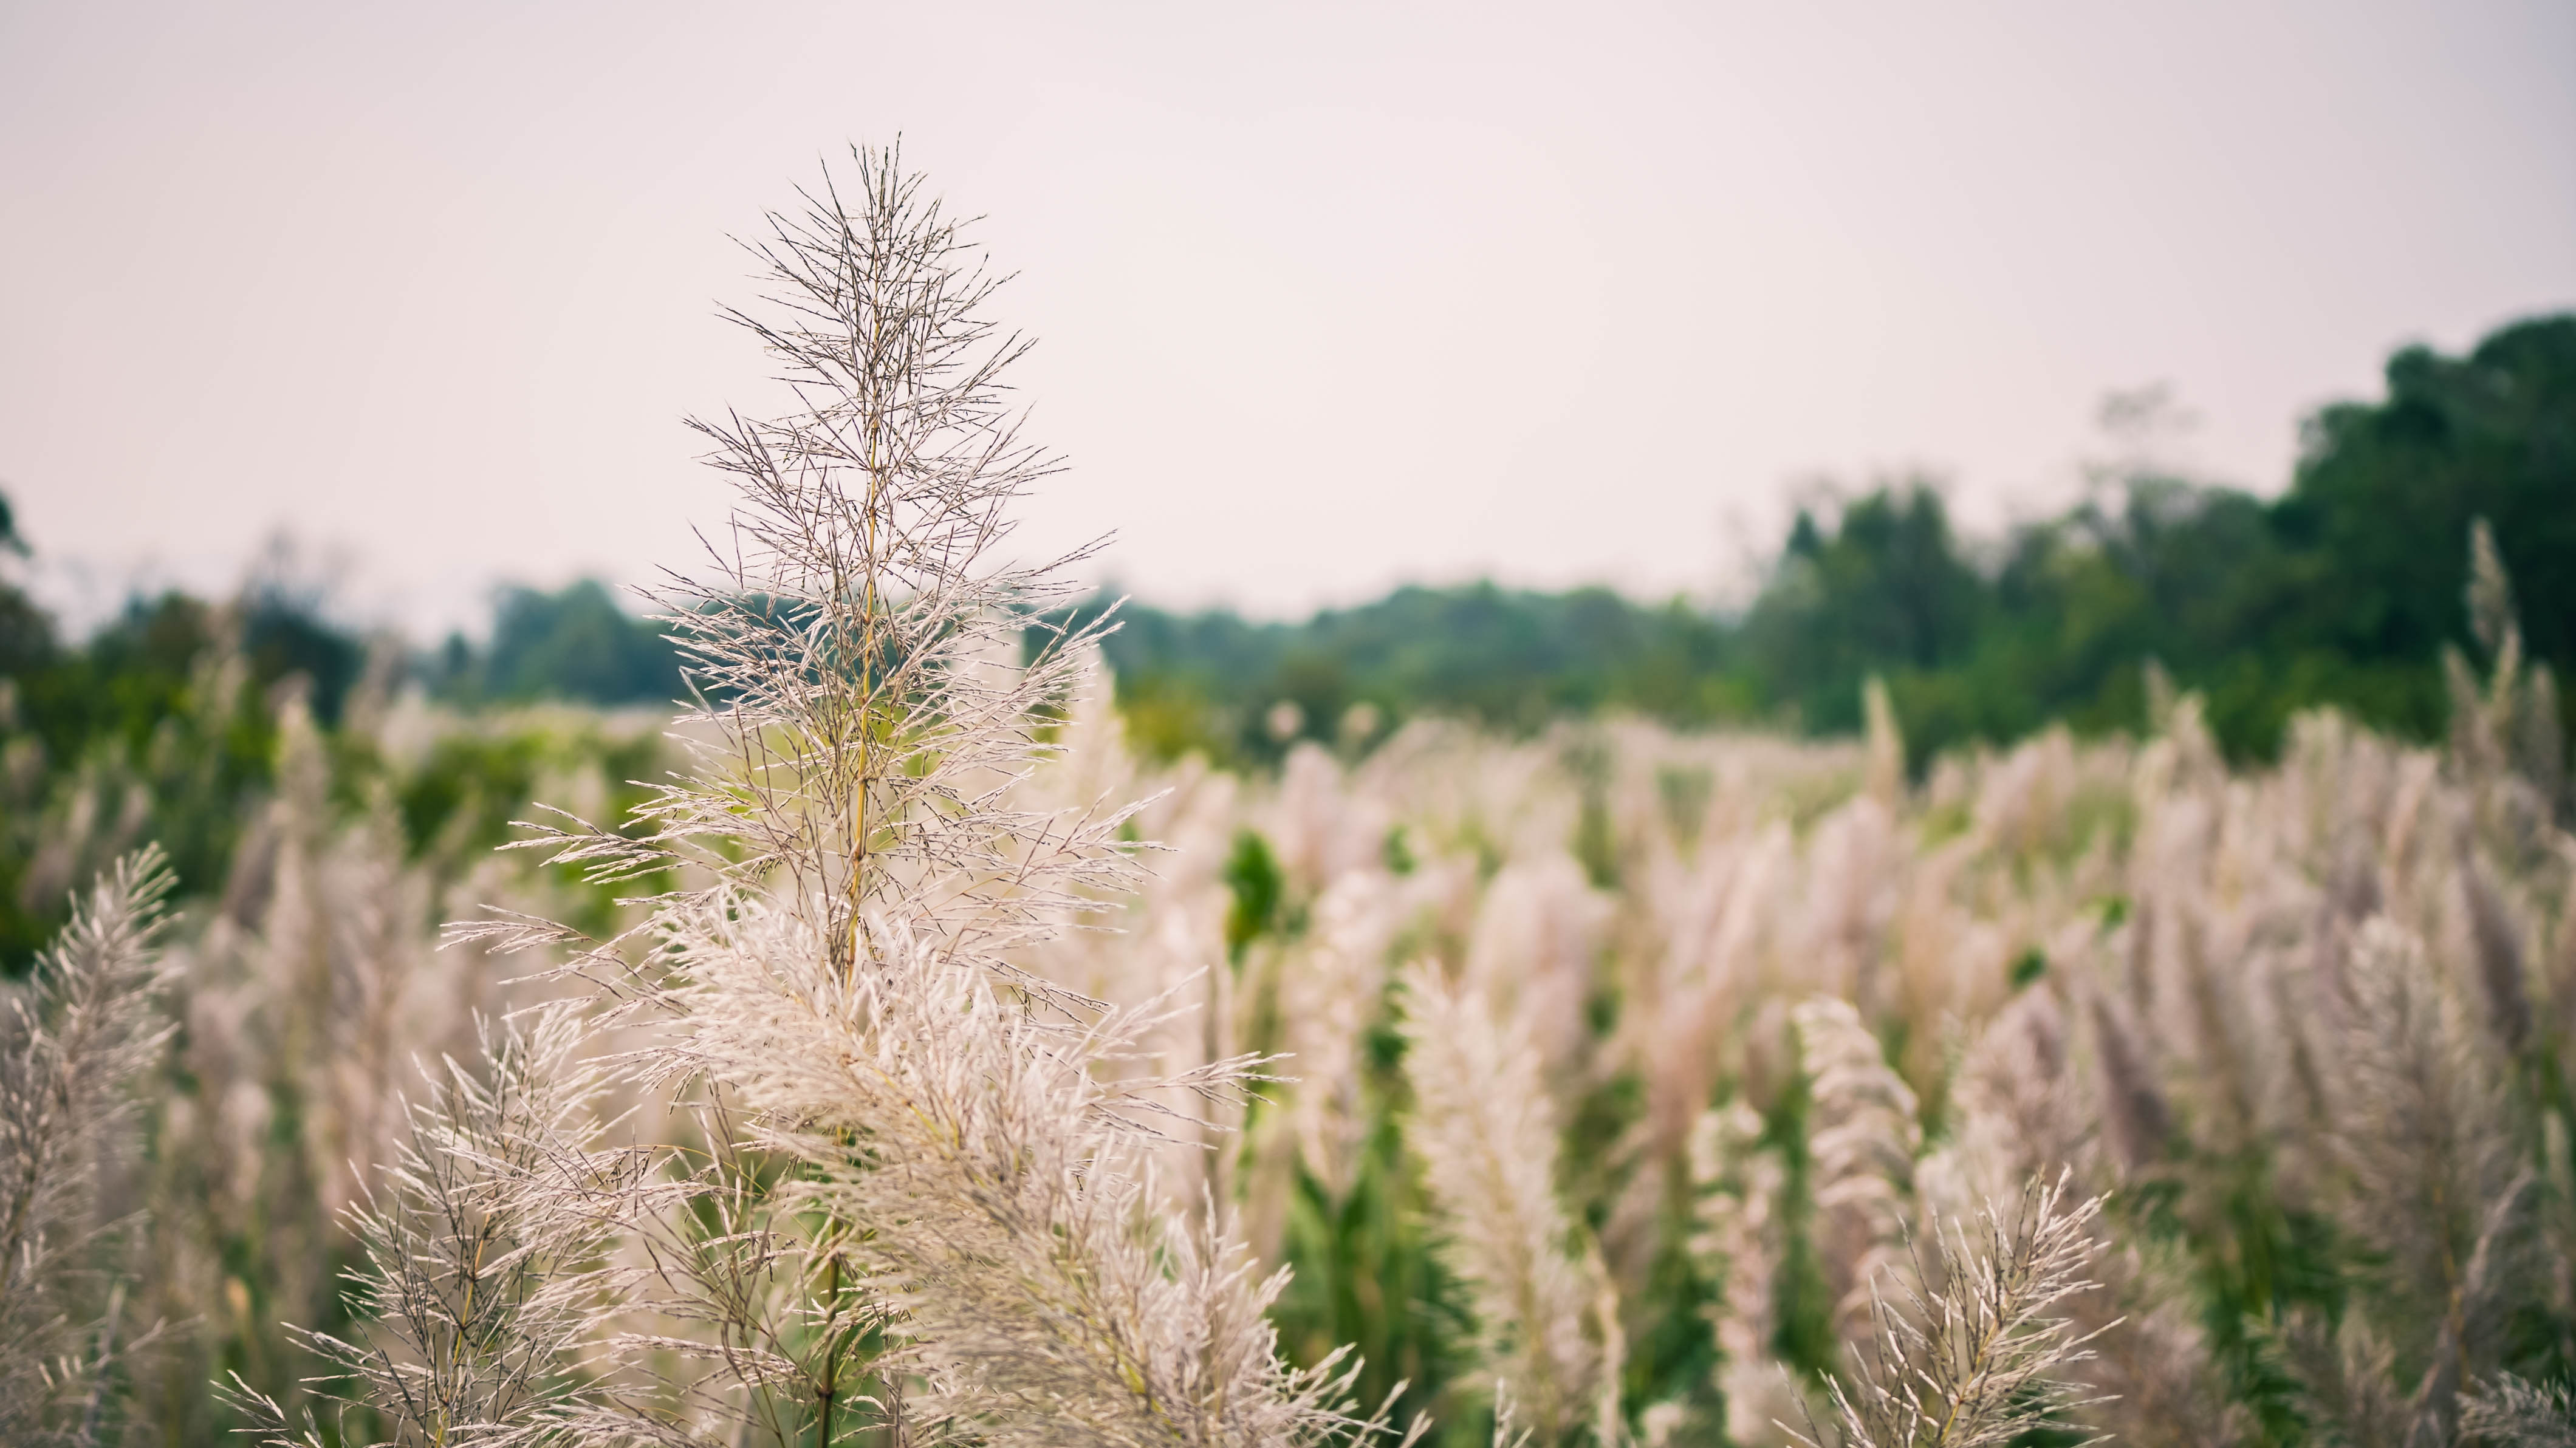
(576, 643)
(2344, 590)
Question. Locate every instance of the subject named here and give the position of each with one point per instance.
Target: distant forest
(2345, 589)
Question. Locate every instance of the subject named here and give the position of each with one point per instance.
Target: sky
(1328, 297)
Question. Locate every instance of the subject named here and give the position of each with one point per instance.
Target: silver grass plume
(1737, 1188)
(484, 1245)
(1864, 1135)
(2016, 1116)
(2490, 596)
(2135, 1115)
(70, 1047)
(1972, 1352)
(2435, 1189)
(1487, 1136)
(2015, 1087)
(2473, 745)
(1885, 773)
(994, 1184)
(1328, 1001)
(2512, 1413)
(2156, 1378)
(2540, 740)
(2513, 724)
(860, 704)
(2349, 1374)
(959, 1208)
(2496, 940)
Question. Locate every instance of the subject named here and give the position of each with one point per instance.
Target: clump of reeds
(1708, 1048)
(486, 1244)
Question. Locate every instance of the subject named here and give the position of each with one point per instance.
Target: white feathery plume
(2019, 1074)
(2020, 1117)
(1537, 932)
(2135, 1115)
(1321, 827)
(1973, 1351)
(2349, 1375)
(995, 1188)
(1855, 870)
(1328, 999)
(861, 714)
(1885, 781)
(2155, 1379)
(2496, 950)
(2512, 1413)
(1738, 1243)
(1708, 971)
(485, 1241)
(70, 1047)
(1487, 1137)
(2435, 1188)
(1863, 1134)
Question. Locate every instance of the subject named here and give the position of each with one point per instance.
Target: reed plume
(1013, 1237)
(2512, 1413)
(2435, 1188)
(862, 708)
(1738, 1242)
(1864, 1135)
(71, 1047)
(1971, 1353)
(1487, 1136)
(484, 1245)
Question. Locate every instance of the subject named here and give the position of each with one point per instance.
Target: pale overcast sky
(1330, 297)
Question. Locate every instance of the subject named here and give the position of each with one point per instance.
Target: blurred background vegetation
(2342, 589)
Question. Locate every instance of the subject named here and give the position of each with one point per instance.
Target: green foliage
(2385, 493)
(1397, 853)
(1886, 589)
(1672, 1354)
(1508, 659)
(1253, 876)
(1365, 1272)
(285, 637)
(572, 644)
(145, 732)
(2342, 591)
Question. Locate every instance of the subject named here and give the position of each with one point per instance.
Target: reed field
(882, 1050)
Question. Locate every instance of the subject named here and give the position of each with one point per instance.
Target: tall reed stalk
(910, 1194)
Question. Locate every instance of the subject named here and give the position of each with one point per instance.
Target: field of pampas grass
(908, 1061)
